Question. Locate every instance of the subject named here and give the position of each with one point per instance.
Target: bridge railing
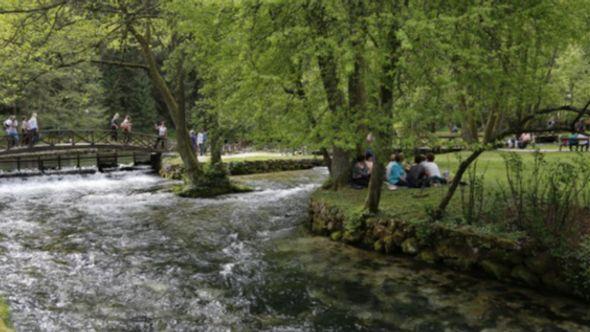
(89, 138)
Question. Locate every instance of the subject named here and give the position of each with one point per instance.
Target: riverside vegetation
(521, 217)
(4, 317)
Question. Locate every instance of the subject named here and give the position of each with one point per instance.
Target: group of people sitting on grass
(423, 173)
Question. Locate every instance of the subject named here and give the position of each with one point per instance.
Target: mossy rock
(389, 244)
(410, 246)
(5, 324)
(525, 276)
(497, 270)
(507, 257)
(397, 238)
(460, 263)
(554, 281)
(351, 237)
(336, 236)
(427, 256)
(318, 224)
(378, 246)
(540, 263)
(205, 191)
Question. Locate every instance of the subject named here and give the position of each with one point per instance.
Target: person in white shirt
(11, 128)
(200, 143)
(432, 170)
(33, 130)
(162, 135)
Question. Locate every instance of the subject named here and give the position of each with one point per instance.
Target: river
(119, 252)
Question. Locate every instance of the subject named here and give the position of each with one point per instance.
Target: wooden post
(40, 164)
(156, 161)
(116, 159)
(78, 160)
(134, 159)
(58, 161)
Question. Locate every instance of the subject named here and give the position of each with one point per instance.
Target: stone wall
(519, 261)
(174, 171)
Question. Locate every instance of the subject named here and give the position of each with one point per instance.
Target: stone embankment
(174, 170)
(520, 261)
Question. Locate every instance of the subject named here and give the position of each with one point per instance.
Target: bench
(575, 142)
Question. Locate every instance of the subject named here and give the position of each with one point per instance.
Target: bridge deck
(84, 140)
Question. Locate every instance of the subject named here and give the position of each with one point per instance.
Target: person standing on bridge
(10, 126)
(33, 130)
(162, 135)
(126, 128)
(115, 127)
(24, 131)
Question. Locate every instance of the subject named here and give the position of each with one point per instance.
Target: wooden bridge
(75, 149)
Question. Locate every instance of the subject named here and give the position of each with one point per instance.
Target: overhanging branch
(33, 10)
(120, 64)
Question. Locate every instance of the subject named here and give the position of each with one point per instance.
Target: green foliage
(128, 91)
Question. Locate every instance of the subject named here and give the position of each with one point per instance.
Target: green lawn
(415, 204)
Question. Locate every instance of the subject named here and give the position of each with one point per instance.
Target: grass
(414, 205)
(4, 317)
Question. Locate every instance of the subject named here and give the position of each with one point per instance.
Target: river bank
(4, 317)
(508, 257)
(172, 167)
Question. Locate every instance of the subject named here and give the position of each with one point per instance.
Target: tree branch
(33, 10)
(120, 64)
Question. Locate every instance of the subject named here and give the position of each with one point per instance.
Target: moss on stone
(410, 246)
(505, 257)
(336, 236)
(427, 256)
(525, 276)
(5, 325)
(202, 191)
(172, 168)
(497, 270)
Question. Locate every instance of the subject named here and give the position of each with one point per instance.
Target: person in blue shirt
(395, 173)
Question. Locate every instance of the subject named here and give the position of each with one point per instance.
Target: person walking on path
(162, 135)
(200, 143)
(114, 127)
(126, 126)
(205, 139)
(10, 126)
(194, 144)
(33, 130)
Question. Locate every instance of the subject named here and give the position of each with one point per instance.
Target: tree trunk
(183, 143)
(341, 168)
(216, 146)
(327, 159)
(341, 163)
(375, 186)
(469, 125)
(439, 212)
(383, 132)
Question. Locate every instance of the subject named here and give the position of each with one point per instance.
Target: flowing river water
(118, 252)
